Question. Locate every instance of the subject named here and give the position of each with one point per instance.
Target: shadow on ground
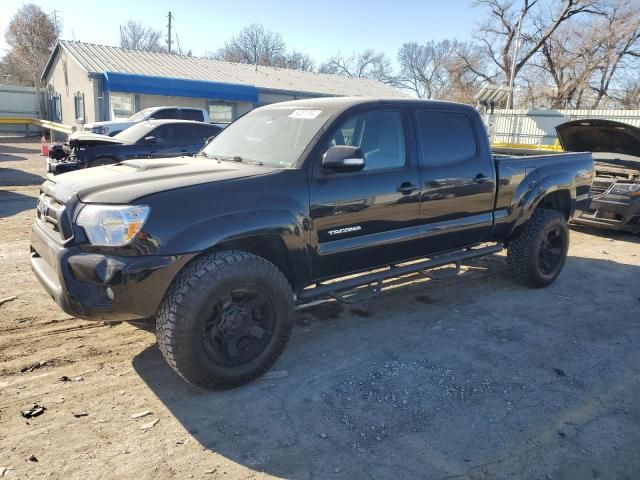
(470, 377)
(12, 203)
(608, 234)
(10, 177)
(5, 157)
(15, 149)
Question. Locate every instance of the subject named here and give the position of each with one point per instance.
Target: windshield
(274, 136)
(134, 133)
(141, 115)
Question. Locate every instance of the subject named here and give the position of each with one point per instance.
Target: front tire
(539, 251)
(225, 320)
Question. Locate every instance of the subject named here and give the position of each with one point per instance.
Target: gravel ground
(469, 377)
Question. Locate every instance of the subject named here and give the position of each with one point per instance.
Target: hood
(127, 181)
(600, 136)
(87, 139)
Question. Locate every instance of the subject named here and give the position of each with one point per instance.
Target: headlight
(626, 189)
(112, 225)
(99, 130)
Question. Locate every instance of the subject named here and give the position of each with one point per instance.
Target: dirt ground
(469, 377)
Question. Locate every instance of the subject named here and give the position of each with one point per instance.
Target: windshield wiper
(234, 158)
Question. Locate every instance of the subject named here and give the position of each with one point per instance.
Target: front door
(362, 219)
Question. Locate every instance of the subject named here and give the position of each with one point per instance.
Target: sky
(321, 28)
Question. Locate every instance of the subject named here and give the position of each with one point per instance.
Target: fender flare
(207, 234)
(530, 200)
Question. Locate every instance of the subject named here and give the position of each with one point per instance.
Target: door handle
(480, 178)
(406, 188)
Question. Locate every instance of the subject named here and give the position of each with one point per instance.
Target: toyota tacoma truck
(293, 203)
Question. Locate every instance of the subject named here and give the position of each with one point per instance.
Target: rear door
(366, 218)
(458, 179)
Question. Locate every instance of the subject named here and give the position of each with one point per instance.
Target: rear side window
(445, 137)
(164, 114)
(190, 114)
(208, 131)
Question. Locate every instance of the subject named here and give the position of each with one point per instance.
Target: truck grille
(601, 185)
(607, 175)
(52, 216)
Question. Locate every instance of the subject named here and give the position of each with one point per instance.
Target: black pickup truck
(292, 203)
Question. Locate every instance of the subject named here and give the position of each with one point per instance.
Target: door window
(190, 114)
(206, 132)
(445, 137)
(165, 135)
(164, 114)
(380, 136)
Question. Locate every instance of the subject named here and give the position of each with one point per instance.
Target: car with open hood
(150, 139)
(615, 147)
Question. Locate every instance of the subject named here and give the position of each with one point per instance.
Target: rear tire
(225, 320)
(539, 251)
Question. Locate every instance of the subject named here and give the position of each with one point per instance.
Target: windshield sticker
(305, 114)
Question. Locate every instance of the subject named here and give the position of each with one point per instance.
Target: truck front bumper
(612, 213)
(102, 287)
(57, 167)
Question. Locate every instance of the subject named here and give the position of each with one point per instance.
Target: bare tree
(298, 61)
(135, 36)
(256, 45)
(436, 70)
(570, 58)
(527, 24)
(583, 59)
(366, 64)
(31, 36)
(628, 96)
(619, 40)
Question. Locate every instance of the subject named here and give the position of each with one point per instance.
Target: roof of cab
(341, 103)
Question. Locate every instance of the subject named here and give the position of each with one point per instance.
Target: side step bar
(331, 289)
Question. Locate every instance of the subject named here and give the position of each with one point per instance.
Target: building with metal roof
(87, 82)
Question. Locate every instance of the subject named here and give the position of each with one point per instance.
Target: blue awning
(178, 87)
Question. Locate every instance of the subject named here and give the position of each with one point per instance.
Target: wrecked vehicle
(293, 203)
(152, 139)
(616, 156)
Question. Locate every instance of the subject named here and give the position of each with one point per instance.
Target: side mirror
(343, 158)
(150, 139)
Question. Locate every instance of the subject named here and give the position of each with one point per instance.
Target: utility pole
(169, 33)
(516, 50)
(57, 23)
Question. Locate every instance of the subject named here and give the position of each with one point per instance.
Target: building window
(78, 105)
(220, 112)
(57, 107)
(122, 105)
